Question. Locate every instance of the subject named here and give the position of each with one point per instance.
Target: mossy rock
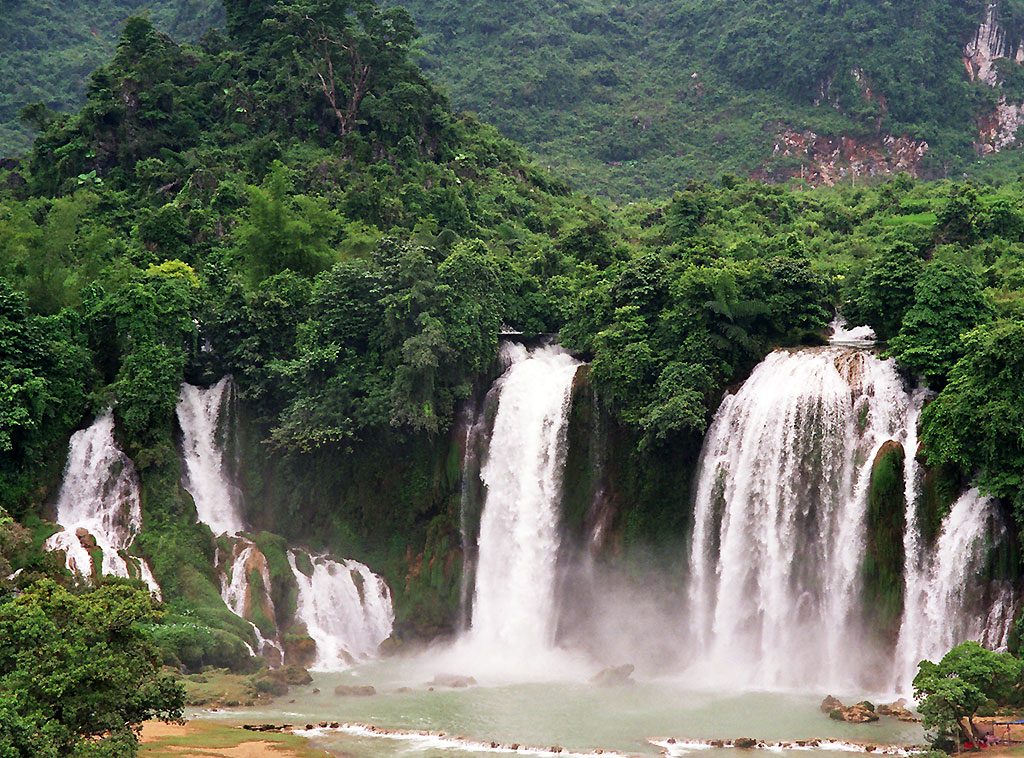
(883, 555)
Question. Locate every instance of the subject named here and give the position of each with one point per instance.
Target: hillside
(48, 49)
(631, 99)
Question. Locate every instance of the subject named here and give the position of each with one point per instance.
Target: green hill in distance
(632, 99)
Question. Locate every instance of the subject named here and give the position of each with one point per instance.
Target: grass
(205, 738)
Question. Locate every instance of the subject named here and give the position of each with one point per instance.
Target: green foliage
(883, 556)
(957, 686)
(78, 673)
(976, 420)
(949, 300)
(885, 291)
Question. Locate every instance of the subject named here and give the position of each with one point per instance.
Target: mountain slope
(634, 98)
(48, 49)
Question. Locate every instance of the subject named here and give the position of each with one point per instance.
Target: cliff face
(824, 160)
(991, 44)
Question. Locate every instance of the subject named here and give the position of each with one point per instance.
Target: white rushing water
(945, 601)
(346, 608)
(779, 530)
(99, 498)
(199, 415)
(513, 616)
(843, 334)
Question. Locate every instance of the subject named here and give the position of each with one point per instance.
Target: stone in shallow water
(453, 680)
(614, 675)
(355, 690)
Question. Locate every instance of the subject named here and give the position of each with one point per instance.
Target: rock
(897, 710)
(614, 676)
(453, 680)
(830, 704)
(316, 690)
(293, 674)
(355, 690)
(861, 713)
(744, 743)
(85, 538)
(403, 690)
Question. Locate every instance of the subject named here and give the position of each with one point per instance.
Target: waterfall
(218, 505)
(513, 615)
(99, 507)
(346, 608)
(947, 600)
(199, 412)
(780, 506)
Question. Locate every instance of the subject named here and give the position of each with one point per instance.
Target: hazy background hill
(631, 98)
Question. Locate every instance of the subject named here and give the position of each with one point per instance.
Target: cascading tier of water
(345, 607)
(946, 598)
(99, 508)
(513, 611)
(218, 505)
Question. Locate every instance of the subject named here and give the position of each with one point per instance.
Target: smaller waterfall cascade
(199, 415)
(99, 503)
(513, 614)
(780, 509)
(346, 608)
(200, 411)
(946, 602)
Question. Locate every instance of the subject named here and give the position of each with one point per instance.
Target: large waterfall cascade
(775, 592)
(780, 512)
(513, 613)
(346, 608)
(99, 503)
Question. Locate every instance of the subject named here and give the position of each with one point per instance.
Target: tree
(78, 673)
(976, 420)
(954, 688)
(949, 300)
(886, 291)
(284, 231)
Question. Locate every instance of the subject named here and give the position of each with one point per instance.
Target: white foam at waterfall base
(199, 414)
(100, 494)
(347, 622)
(843, 334)
(779, 531)
(939, 610)
(513, 620)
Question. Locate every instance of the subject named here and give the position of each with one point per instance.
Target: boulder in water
(830, 704)
(293, 674)
(744, 743)
(614, 676)
(898, 710)
(860, 713)
(453, 680)
(355, 690)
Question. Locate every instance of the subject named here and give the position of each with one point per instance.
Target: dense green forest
(625, 99)
(292, 201)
